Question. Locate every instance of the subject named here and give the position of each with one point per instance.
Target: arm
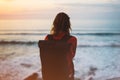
(73, 41)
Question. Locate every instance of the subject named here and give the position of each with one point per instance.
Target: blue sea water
(97, 54)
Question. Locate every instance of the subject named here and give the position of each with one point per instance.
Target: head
(61, 23)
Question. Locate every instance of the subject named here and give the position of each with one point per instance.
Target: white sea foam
(19, 56)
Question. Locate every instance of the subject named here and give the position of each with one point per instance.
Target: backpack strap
(50, 37)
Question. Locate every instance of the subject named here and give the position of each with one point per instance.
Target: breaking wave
(18, 42)
(79, 45)
(23, 33)
(97, 34)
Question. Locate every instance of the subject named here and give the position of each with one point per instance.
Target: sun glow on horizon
(28, 13)
(17, 6)
(28, 8)
(8, 6)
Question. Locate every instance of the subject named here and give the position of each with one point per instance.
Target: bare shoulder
(72, 39)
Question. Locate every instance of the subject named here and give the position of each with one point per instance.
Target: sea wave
(79, 45)
(18, 42)
(100, 45)
(23, 33)
(97, 34)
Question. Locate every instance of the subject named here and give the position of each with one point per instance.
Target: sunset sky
(35, 9)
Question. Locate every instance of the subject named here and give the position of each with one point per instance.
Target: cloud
(92, 11)
(83, 1)
(89, 5)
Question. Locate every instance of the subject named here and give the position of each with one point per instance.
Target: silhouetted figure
(58, 50)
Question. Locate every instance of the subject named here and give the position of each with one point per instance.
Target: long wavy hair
(61, 23)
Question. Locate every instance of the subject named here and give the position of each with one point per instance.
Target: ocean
(97, 54)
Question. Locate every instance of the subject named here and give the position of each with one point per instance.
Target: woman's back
(61, 32)
(70, 54)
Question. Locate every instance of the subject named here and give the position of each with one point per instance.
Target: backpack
(53, 55)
